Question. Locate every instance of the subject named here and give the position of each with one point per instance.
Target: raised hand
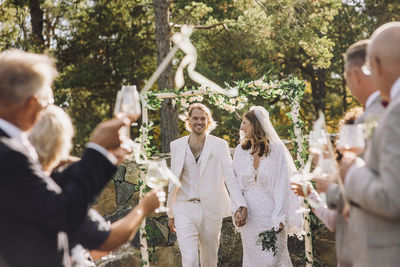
(107, 134)
(298, 189)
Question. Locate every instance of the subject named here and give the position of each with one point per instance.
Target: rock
(167, 256)
(106, 202)
(133, 172)
(156, 231)
(230, 248)
(125, 191)
(120, 174)
(125, 256)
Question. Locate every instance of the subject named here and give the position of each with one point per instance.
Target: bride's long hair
(261, 141)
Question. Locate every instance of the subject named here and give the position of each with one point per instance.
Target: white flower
(265, 86)
(240, 106)
(255, 93)
(232, 101)
(192, 99)
(242, 99)
(184, 103)
(228, 108)
(258, 83)
(199, 98)
(231, 109)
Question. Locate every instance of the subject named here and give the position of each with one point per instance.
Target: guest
(362, 88)
(326, 215)
(52, 138)
(374, 183)
(33, 208)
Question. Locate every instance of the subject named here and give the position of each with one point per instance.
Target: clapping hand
(240, 216)
(298, 189)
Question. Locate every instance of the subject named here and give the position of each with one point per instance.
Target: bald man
(374, 184)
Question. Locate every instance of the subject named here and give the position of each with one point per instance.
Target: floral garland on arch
(290, 90)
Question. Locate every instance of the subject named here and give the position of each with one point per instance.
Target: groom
(204, 165)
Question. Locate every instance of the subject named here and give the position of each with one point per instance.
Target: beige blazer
(347, 232)
(375, 187)
(215, 172)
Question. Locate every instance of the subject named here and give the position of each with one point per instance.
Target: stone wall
(118, 198)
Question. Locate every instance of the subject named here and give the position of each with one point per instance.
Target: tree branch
(201, 27)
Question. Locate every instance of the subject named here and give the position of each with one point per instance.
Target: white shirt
(20, 136)
(395, 90)
(189, 177)
(372, 98)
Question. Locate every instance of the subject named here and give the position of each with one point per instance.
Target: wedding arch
(290, 91)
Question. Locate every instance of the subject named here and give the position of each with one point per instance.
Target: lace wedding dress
(270, 201)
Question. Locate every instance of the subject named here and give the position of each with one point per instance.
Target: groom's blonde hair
(211, 123)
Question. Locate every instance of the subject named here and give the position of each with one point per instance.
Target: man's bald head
(384, 57)
(386, 41)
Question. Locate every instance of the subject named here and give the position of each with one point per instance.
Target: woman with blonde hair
(263, 165)
(52, 136)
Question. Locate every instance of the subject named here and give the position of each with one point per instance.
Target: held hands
(240, 216)
(171, 224)
(280, 228)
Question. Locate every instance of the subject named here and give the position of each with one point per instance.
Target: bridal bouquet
(267, 240)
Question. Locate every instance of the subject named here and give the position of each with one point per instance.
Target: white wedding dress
(270, 201)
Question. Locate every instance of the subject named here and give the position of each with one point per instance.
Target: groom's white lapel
(180, 155)
(208, 145)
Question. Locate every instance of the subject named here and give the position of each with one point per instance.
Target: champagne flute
(127, 104)
(158, 176)
(318, 142)
(351, 139)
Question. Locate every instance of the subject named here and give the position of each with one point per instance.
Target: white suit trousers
(194, 230)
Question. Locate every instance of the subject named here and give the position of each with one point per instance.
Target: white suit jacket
(215, 171)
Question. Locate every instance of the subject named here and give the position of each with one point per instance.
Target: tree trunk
(37, 23)
(318, 91)
(169, 112)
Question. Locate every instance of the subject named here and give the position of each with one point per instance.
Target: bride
(262, 165)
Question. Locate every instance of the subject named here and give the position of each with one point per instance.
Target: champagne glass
(318, 142)
(127, 104)
(351, 139)
(158, 176)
